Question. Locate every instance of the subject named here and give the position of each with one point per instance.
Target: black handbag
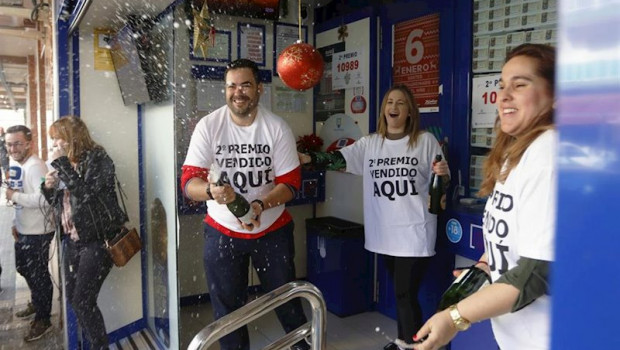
(126, 243)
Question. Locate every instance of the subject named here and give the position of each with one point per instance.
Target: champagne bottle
(435, 192)
(469, 281)
(445, 179)
(240, 207)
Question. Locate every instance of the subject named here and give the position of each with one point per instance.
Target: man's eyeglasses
(15, 144)
(244, 86)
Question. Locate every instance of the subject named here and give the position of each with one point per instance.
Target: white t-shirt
(29, 203)
(519, 221)
(251, 157)
(396, 180)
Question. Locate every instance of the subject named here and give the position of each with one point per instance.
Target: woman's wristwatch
(460, 322)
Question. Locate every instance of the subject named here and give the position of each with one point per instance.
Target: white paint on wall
(114, 126)
(160, 182)
(343, 192)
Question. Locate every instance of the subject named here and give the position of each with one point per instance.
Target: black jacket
(94, 204)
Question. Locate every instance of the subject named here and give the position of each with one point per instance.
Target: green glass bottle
(436, 192)
(240, 207)
(469, 281)
(445, 179)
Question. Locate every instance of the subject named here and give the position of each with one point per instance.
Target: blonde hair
(509, 149)
(412, 126)
(74, 132)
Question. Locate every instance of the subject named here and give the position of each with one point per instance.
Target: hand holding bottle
(257, 210)
(441, 167)
(436, 332)
(482, 265)
(439, 180)
(224, 193)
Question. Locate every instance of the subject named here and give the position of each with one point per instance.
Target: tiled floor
(16, 295)
(365, 331)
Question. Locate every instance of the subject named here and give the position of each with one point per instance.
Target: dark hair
(243, 63)
(20, 128)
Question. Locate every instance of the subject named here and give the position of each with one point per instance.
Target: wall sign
(219, 49)
(103, 58)
(251, 39)
(483, 99)
(416, 59)
(358, 103)
(454, 231)
(347, 69)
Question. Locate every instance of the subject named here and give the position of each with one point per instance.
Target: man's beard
(242, 112)
(19, 157)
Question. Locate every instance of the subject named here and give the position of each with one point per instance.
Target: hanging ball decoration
(300, 66)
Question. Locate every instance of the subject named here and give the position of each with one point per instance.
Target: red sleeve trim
(292, 178)
(189, 172)
(284, 219)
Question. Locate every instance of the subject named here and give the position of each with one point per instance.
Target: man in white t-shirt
(255, 152)
(32, 228)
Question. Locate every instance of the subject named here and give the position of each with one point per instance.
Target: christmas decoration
(309, 143)
(343, 32)
(300, 66)
(204, 31)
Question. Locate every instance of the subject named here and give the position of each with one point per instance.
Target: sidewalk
(16, 293)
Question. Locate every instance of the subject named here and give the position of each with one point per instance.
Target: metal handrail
(264, 304)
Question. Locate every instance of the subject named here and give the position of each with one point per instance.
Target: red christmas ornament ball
(300, 66)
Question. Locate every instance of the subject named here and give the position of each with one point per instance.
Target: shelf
(498, 27)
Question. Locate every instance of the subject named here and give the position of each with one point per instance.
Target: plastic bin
(339, 265)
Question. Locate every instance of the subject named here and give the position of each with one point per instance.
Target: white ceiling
(14, 45)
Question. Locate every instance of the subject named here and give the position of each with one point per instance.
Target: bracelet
(208, 191)
(482, 262)
(262, 205)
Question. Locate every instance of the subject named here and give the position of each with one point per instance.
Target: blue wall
(586, 286)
